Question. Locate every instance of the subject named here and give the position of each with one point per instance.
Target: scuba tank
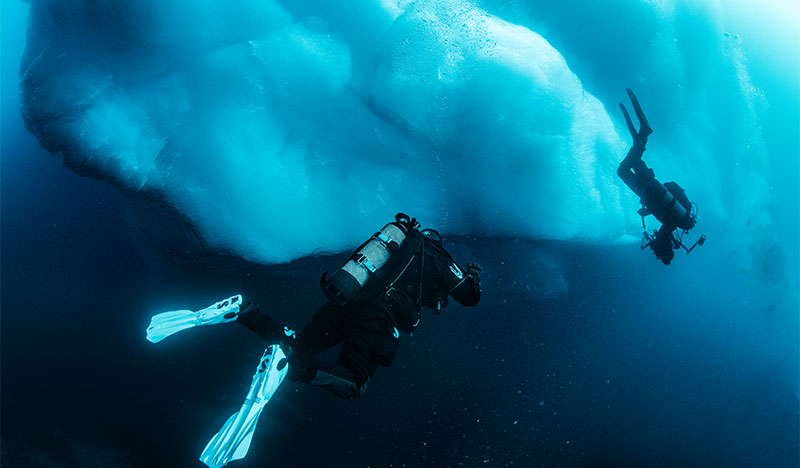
(371, 264)
(671, 207)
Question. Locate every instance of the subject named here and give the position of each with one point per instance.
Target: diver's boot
(169, 323)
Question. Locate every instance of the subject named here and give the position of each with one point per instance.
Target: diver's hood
(433, 235)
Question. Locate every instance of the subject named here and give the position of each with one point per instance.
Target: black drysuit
(667, 202)
(369, 329)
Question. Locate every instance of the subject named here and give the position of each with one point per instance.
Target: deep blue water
(578, 355)
(616, 372)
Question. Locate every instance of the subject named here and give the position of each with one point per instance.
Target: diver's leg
(263, 325)
(368, 342)
(639, 138)
(626, 165)
(633, 160)
(324, 331)
(346, 378)
(339, 380)
(631, 172)
(331, 376)
(371, 340)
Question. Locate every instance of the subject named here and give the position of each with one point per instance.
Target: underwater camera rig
(677, 235)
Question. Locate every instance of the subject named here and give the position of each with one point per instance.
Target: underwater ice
(284, 128)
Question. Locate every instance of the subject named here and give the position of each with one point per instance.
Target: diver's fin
(233, 441)
(644, 129)
(636, 140)
(169, 323)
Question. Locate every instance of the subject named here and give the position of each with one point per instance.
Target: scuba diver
(375, 295)
(667, 202)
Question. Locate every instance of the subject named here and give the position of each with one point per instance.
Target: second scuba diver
(667, 202)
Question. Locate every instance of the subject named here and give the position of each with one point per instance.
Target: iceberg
(281, 129)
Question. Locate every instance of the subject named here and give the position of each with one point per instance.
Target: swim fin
(233, 441)
(169, 323)
(644, 126)
(640, 137)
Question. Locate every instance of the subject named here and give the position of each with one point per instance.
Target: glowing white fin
(169, 323)
(233, 441)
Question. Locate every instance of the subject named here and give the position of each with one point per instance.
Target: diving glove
(169, 323)
(233, 441)
(474, 270)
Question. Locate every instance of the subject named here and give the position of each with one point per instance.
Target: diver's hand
(474, 270)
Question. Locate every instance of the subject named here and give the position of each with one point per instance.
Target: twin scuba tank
(675, 207)
(375, 264)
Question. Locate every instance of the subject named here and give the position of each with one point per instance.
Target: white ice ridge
(283, 128)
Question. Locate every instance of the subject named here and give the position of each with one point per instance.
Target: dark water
(577, 356)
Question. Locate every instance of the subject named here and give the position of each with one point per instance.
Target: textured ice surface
(283, 128)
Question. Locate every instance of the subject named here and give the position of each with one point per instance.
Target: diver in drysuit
(667, 202)
(378, 293)
(368, 327)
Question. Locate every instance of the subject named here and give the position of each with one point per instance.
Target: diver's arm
(646, 239)
(468, 289)
(451, 279)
